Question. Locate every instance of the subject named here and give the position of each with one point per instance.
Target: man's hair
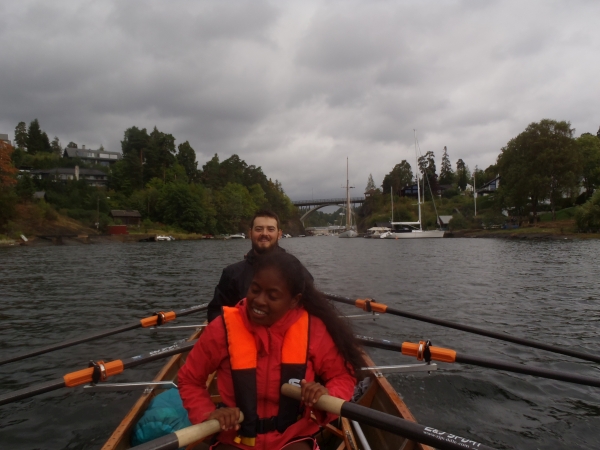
(265, 213)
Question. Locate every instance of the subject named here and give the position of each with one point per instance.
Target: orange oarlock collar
(158, 319)
(85, 376)
(369, 305)
(437, 353)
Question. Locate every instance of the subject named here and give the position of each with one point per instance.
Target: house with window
(89, 156)
(92, 177)
(489, 187)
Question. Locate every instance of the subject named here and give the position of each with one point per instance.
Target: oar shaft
(91, 337)
(447, 355)
(70, 343)
(85, 375)
(31, 391)
(526, 370)
(388, 422)
(479, 331)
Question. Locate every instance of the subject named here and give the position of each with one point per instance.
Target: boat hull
(417, 235)
(379, 396)
(348, 234)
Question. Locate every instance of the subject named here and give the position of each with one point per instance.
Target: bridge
(310, 206)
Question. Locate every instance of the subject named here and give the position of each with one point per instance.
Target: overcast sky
(296, 87)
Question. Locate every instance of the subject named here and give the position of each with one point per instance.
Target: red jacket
(210, 354)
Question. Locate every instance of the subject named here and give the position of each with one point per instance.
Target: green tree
(25, 188)
(135, 149)
(72, 144)
(186, 156)
(400, 176)
(210, 172)
(37, 140)
(234, 204)
(186, 206)
(462, 174)
(370, 184)
(55, 146)
(446, 172)
(159, 155)
(21, 136)
(587, 216)
(589, 150)
(542, 162)
(428, 170)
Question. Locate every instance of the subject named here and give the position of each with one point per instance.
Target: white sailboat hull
(348, 234)
(417, 234)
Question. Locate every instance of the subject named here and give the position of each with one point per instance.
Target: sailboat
(349, 233)
(412, 230)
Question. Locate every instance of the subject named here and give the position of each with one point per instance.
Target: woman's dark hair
(299, 281)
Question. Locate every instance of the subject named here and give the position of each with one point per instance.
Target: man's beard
(262, 251)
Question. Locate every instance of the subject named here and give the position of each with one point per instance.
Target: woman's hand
(311, 392)
(228, 418)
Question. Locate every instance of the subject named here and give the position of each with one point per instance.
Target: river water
(547, 291)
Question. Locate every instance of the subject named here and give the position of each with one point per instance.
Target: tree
(370, 184)
(462, 174)
(589, 150)
(186, 206)
(587, 216)
(135, 149)
(428, 170)
(7, 170)
(72, 145)
(400, 176)
(446, 173)
(540, 163)
(234, 203)
(159, 155)
(35, 140)
(21, 136)
(56, 147)
(186, 156)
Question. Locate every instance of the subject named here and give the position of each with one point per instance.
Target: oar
(185, 436)
(396, 425)
(100, 372)
(157, 319)
(449, 356)
(371, 305)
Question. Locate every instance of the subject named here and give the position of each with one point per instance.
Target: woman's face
(269, 297)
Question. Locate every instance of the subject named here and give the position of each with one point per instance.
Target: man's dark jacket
(234, 283)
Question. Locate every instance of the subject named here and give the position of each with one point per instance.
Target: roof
(68, 171)
(125, 213)
(95, 154)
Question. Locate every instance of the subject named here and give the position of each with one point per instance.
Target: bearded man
(265, 232)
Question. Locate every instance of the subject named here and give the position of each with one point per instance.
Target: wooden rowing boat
(341, 435)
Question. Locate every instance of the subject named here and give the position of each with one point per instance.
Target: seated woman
(284, 331)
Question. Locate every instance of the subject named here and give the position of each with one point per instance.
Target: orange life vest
(243, 357)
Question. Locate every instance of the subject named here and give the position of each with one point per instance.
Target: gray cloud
(295, 87)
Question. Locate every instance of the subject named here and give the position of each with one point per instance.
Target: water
(546, 291)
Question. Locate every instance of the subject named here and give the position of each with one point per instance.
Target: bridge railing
(327, 200)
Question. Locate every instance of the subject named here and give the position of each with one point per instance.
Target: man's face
(264, 234)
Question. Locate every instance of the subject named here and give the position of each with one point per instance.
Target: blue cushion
(164, 415)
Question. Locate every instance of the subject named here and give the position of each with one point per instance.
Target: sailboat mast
(392, 197)
(418, 185)
(348, 216)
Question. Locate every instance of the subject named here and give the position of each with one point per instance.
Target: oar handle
(393, 424)
(325, 403)
(185, 436)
